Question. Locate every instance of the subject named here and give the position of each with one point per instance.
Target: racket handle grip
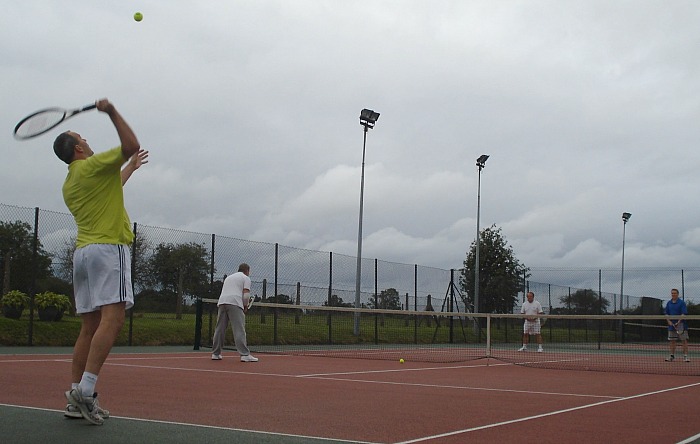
(89, 107)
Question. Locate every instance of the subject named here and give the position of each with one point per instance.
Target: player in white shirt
(233, 306)
(532, 324)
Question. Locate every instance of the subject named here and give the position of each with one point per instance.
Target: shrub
(49, 299)
(14, 298)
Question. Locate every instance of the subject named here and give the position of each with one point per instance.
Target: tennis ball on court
(138, 16)
(401, 360)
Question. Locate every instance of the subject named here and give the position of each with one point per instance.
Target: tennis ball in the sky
(138, 16)
(401, 360)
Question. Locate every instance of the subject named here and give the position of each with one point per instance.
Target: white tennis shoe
(73, 412)
(86, 404)
(249, 358)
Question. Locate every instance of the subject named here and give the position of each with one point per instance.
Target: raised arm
(138, 159)
(129, 142)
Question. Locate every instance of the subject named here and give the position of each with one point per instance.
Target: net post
(488, 335)
(198, 325)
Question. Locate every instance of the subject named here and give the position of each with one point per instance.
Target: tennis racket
(680, 328)
(251, 299)
(45, 120)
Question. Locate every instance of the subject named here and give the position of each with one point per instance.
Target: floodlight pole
(480, 162)
(625, 217)
(367, 119)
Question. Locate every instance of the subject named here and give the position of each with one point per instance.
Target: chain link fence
(172, 269)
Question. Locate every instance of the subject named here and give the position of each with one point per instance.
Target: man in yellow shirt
(93, 193)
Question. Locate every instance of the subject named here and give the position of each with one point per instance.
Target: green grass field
(294, 328)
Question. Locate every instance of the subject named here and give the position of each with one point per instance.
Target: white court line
(327, 376)
(400, 370)
(232, 429)
(361, 381)
(544, 415)
(459, 387)
(130, 357)
(500, 364)
(692, 439)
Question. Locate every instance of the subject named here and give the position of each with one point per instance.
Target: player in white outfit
(233, 306)
(532, 324)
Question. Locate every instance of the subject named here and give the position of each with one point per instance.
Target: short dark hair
(244, 267)
(64, 147)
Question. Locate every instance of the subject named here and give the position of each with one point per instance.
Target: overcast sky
(250, 111)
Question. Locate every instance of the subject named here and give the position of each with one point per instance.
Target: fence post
(32, 283)
(683, 283)
(376, 305)
(406, 309)
(274, 312)
(549, 292)
(330, 292)
(212, 266)
(133, 273)
(415, 303)
(330, 277)
(298, 302)
(264, 299)
(600, 307)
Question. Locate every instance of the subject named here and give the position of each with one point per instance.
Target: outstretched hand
(135, 161)
(138, 159)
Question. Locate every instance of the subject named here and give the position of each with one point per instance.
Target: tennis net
(621, 343)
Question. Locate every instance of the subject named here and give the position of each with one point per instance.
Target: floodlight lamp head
(368, 118)
(626, 216)
(482, 160)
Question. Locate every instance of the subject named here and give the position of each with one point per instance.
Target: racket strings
(39, 123)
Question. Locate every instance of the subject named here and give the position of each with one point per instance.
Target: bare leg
(89, 324)
(111, 323)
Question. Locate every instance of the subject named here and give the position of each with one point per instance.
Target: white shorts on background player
(531, 327)
(102, 276)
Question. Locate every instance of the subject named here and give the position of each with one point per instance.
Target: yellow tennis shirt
(93, 194)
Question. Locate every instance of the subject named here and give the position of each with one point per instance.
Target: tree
(64, 264)
(280, 298)
(582, 302)
(337, 301)
(388, 299)
(181, 269)
(152, 301)
(501, 275)
(16, 257)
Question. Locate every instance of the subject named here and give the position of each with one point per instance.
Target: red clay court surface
(353, 400)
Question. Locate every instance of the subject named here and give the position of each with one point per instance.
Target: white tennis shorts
(531, 327)
(102, 276)
(674, 336)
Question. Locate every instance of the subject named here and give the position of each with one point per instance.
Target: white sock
(74, 385)
(87, 384)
